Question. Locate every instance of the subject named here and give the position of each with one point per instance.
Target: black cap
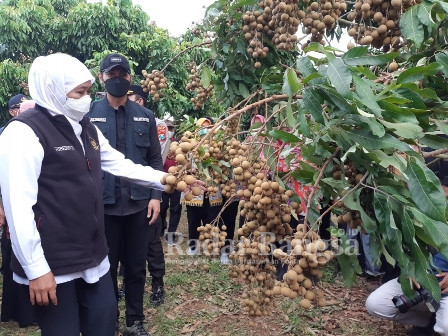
(16, 100)
(138, 90)
(114, 60)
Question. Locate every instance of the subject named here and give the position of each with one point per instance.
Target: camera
(403, 303)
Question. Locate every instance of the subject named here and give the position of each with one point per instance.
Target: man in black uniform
(155, 256)
(129, 209)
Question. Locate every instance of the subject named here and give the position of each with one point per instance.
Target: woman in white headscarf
(52, 159)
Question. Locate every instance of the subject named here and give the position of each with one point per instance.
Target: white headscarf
(52, 77)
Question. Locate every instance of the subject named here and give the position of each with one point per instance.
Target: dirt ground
(200, 303)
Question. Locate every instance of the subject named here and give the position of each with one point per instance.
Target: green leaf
(312, 102)
(424, 13)
(442, 59)
(371, 142)
(386, 161)
(303, 176)
(365, 93)
(443, 127)
(335, 99)
(337, 184)
(305, 66)
(243, 90)
(291, 121)
(407, 227)
(425, 189)
(376, 127)
(434, 141)
(201, 151)
(206, 76)
(411, 27)
(352, 202)
(435, 230)
(426, 280)
(358, 56)
(291, 83)
(383, 214)
(225, 163)
(347, 260)
(406, 284)
(416, 73)
(340, 77)
(314, 75)
(405, 130)
(284, 136)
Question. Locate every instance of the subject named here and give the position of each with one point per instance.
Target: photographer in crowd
(389, 302)
(425, 314)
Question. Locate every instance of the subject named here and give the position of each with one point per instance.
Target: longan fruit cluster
(349, 172)
(180, 183)
(251, 265)
(285, 22)
(153, 83)
(212, 239)
(305, 261)
(350, 217)
(377, 22)
(255, 25)
(195, 85)
(264, 204)
(320, 16)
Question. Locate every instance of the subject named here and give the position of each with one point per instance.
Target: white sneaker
(224, 259)
(191, 251)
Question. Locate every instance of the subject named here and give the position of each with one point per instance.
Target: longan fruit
(181, 186)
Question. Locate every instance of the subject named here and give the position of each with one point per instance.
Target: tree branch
(321, 174)
(184, 51)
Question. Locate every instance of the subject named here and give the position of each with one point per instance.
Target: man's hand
(445, 189)
(444, 283)
(153, 210)
(416, 284)
(2, 216)
(43, 289)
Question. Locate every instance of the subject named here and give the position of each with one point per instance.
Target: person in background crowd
(129, 210)
(424, 322)
(14, 106)
(204, 208)
(52, 160)
(155, 256)
(15, 298)
(170, 201)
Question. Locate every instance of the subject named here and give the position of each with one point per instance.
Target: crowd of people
(81, 197)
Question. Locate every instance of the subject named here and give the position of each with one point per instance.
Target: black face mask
(117, 86)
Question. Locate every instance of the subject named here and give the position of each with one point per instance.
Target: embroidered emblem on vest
(94, 144)
(98, 119)
(64, 148)
(141, 119)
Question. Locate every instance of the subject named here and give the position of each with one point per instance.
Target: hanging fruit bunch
(319, 17)
(212, 239)
(195, 85)
(376, 22)
(305, 261)
(153, 83)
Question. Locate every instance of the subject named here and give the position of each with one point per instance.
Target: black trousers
(198, 216)
(228, 218)
(89, 309)
(129, 235)
(155, 256)
(172, 202)
(16, 303)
